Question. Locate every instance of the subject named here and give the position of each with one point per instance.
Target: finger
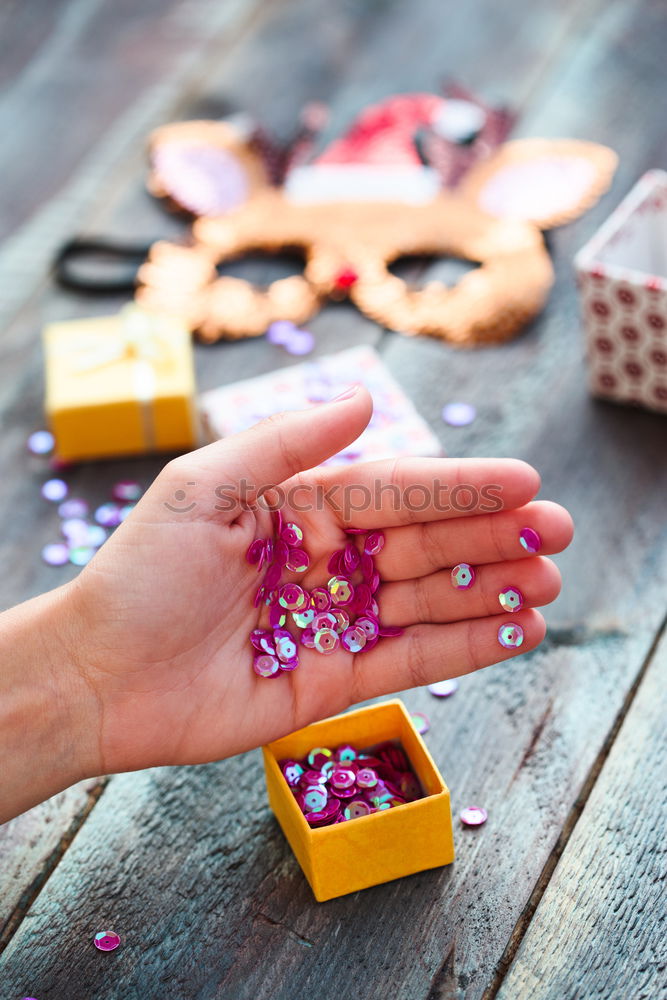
(434, 599)
(428, 653)
(415, 490)
(417, 549)
(222, 479)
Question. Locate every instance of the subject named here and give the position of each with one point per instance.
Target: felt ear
(544, 181)
(205, 167)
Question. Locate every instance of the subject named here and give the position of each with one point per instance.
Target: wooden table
(561, 894)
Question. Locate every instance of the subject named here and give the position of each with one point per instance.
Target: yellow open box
(372, 849)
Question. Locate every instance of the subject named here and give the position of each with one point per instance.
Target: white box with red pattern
(622, 278)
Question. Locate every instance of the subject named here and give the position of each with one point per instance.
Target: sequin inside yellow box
(120, 385)
(373, 849)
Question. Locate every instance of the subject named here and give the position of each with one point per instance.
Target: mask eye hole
(261, 269)
(418, 270)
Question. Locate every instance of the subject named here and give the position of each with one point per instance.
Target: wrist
(49, 714)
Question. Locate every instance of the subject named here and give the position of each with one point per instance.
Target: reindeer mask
(397, 184)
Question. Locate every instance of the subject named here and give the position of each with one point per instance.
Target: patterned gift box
(622, 277)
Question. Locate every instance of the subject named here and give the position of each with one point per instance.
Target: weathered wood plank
(521, 739)
(31, 846)
(601, 928)
(94, 86)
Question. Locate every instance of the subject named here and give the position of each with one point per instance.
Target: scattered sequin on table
(421, 723)
(73, 507)
(473, 816)
(55, 554)
(443, 689)
(336, 786)
(107, 940)
(459, 414)
(54, 490)
(84, 536)
(287, 334)
(41, 443)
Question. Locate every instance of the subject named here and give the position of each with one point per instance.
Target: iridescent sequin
(54, 490)
(286, 648)
(254, 553)
(292, 772)
(326, 641)
(463, 576)
(342, 778)
(325, 619)
(374, 543)
(357, 809)
(55, 554)
(342, 620)
(458, 414)
(41, 443)
(354, 639)
(341, 590)
(315, 798)
(266, 665)
(511, 599)
(80, 555)
(292, 534)
(530, 540)
(292, 597)
(369, 625)
(319, 756)
(320, 599)
(366, 778)
(420, 722)
(473, 816)
(443, 689)
(74, 507)
(126, 491)
(277, 617)
(351, 558)
(303, 619)
(298, 561)
(75, 530)
(510, 636)
(108, 515)
(106, 940)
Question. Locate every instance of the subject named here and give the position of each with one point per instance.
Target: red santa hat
(377, 159)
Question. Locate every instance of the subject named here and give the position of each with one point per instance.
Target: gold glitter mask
(351, 215)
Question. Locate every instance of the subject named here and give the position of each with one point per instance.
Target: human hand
(161, 617)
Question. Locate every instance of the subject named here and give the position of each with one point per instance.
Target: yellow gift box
(385, 845)
(120, 385)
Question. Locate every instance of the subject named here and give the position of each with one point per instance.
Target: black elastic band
(97, 251)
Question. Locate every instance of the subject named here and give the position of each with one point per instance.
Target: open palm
(167, 604)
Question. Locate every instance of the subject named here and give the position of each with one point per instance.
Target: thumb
(271, 451)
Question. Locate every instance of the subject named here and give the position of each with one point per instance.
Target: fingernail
(346, 394)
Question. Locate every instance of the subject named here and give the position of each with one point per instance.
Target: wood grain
(187, 864)
(601, 927)
(94, 85)
(32, 845)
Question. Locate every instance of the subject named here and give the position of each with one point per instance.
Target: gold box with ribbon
(120, 385)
